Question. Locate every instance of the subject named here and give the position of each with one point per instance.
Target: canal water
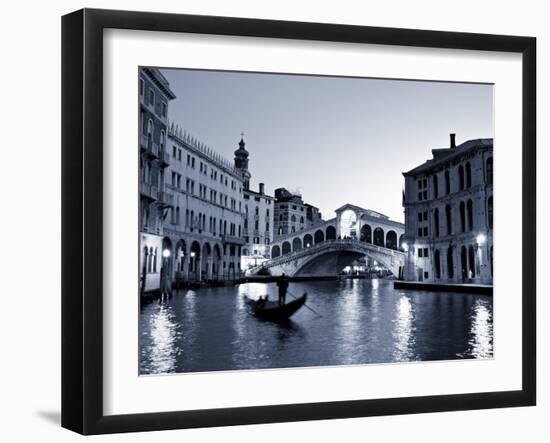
(362, 321)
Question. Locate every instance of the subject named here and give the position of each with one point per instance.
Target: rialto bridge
(330, 246)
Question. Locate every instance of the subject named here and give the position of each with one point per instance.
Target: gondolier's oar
(305, 304)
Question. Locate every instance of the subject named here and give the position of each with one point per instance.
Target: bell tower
(241, 162)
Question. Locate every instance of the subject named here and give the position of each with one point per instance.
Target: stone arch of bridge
(353, 254)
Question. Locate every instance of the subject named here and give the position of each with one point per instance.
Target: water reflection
(161, 352)
(363, 321)
(403, 331)
(481, 341)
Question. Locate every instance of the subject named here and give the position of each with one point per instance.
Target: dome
(241, 152)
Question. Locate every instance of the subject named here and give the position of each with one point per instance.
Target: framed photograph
(268, 221)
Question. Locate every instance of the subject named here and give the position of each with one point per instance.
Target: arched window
(437, 264)
(296, 244)
(308, 241)
(331, 233)
(489, 170)
(155, 256)
(379, 237)
(449, 219)
(257, 210)
(275, 251)
(472, 261)
(286, 248)
(366, 234)
(319, 236)
(435, 185)
(280, 217)
(468, 175)
(464, 263)
(302, 219)
(462, 217)
(150, 263)
(145, 258)
(436, 222)
(490, 212)
(150, 135)
(461, 177)
(162, 137)
(450, 264)
(391, 240)
(447, 182)
(470, 214)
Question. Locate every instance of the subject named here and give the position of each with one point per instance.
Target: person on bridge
(282, 284)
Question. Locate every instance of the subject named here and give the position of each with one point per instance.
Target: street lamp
(480, 239)
(193, 265)
(166, 253)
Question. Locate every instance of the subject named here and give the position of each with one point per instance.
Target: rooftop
(160, 80)
(192, 143)
(445, 155)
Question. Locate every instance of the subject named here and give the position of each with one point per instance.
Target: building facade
(291, 214)
(155, 202)
(448, 202)
(204, 226)
(258, 227)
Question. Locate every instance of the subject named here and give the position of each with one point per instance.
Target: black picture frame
(82, 215)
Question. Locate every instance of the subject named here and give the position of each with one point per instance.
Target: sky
(337, 140)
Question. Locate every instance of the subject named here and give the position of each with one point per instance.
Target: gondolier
(282, 284)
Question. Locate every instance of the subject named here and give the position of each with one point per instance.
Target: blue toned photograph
(294, 221)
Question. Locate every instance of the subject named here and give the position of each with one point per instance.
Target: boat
(273, 311)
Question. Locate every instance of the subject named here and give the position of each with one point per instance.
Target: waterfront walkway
(469, 288)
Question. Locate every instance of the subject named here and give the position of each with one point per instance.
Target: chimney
(261, 188)
(453, 141)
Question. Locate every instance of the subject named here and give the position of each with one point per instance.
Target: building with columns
(203, 228)
(154, 96)
(448, 202)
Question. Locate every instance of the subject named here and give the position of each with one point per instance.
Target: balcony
(233, 240)
(148, 190)
(165, 199)
(164, 159)
(148, 146)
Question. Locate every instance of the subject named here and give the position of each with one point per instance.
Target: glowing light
(193, 254)
(481, 330)
(308, 245)
(405, 246)
(481, 239)
(166, 253)
(404, 331)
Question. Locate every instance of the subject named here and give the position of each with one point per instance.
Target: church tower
(241, 162)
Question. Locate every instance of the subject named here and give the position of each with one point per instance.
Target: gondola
(273, 311)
